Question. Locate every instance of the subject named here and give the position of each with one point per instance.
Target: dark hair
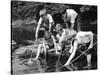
(64, 11)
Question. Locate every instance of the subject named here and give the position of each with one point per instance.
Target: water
(42, 65)
(36, 66)
(23, 63)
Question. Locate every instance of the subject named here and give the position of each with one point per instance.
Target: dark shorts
(89, 51)
(77, 25)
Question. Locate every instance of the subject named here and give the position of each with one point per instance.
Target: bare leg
(44, 48)
(72, 26)
(71, 49)
(54, 41)
(38, 52)
(88, 61)
(67, 26)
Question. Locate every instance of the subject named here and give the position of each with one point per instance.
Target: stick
(81, 54)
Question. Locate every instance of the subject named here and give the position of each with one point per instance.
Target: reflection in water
(50, 64)
(41, 65)
(21, 67)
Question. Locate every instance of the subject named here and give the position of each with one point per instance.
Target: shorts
(85, 47)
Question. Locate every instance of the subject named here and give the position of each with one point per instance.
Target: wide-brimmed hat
(42, 12)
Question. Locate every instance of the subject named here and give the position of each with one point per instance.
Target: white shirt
(67, 34)
(84, 37)
(49, 18)
(71, 15)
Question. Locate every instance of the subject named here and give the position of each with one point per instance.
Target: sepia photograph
(51, 37)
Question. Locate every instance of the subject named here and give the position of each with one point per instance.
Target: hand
(27, 23)
(57, 53)
(90, 47)
(36, 36)
(67, 64)
(49, 30)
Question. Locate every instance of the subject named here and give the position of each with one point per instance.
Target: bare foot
(34, 58)
(88, 67)
(66, 65)
(29, 62)
(57, 53)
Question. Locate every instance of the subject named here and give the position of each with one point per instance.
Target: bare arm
(73, 53)
(39, 23)
(91, 41)
(38, 51)
(50, 27)
(54, 41)
(72, 20)
(72, 25)
(44, 46)
(51, 22)
(58, 36)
